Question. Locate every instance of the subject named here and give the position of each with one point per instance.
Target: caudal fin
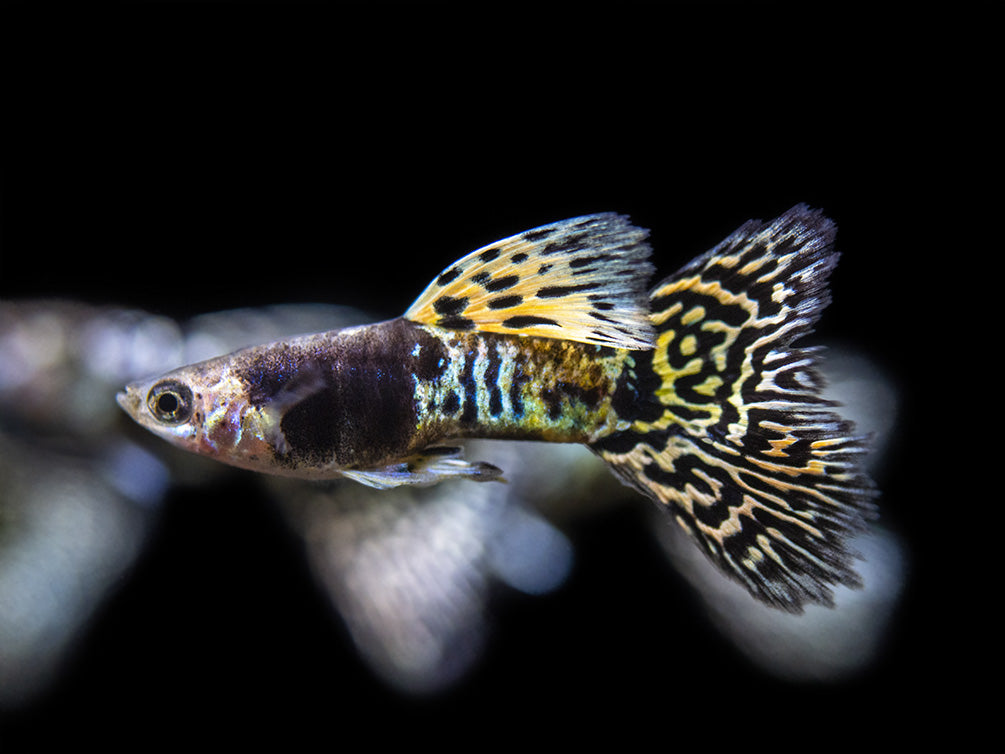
(729, 430)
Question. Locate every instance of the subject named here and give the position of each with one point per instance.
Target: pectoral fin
(431, 466)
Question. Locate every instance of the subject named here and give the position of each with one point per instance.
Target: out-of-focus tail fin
(729, 430)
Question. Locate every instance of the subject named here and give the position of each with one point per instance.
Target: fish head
(202, 409)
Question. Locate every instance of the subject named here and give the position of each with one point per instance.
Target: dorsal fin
(583, 279)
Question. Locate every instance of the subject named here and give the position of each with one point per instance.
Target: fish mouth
(129, 399)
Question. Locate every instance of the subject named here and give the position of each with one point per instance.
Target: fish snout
(129, 399)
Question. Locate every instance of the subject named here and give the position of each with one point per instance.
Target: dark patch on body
(431, 361)
(515, 389)
(470, 413)
(451, 404)
(553, 400)
(495, 401)
(589, 397)
(569, 393)
(360, 409)
(492, 380)
(268, 371)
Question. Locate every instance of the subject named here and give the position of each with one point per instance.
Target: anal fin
(432, 465)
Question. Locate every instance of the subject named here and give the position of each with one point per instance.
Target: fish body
(691, 391)
(397, 388)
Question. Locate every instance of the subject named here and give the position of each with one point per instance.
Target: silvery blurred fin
(431, 466)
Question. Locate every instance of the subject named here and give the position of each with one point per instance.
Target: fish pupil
(167, 403)
(170, 402)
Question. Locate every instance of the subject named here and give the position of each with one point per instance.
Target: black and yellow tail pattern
(728, 427)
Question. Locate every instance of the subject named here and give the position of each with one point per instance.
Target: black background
(194, 157)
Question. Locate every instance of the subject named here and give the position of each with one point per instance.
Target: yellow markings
(671, 311)
(730, 527)
(711, 481)
(754, 556)
(709, 387)
(673, 286)
(688, 345)
(754, 265)
(782, 266)
(694, 315)
(703, 499)
(728, 298)
(778, 447)
(776, 427)
(826, 443)
(752, 498)
(727, 261)
(780, 292)
(815, 467)
(765, 544)
(720, 448)
(720, 353)
(664, 369)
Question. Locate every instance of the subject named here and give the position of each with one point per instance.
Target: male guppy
(691, 391)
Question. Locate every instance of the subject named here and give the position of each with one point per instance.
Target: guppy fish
(691, 392)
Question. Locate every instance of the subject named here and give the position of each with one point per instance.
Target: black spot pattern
(505, 302)
(556, 291)
(448, 277)
(501, 284)
(522, 321)
(602, 253)
(447, 305)
(492, 380)
(768, 505)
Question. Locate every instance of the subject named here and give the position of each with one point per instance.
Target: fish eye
(170, 402)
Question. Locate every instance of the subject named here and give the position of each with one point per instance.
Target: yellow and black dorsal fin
(732, 434)
(583, 279)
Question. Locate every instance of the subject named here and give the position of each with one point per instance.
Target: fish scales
(506, 387)
(692, 391)
(365, 397)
